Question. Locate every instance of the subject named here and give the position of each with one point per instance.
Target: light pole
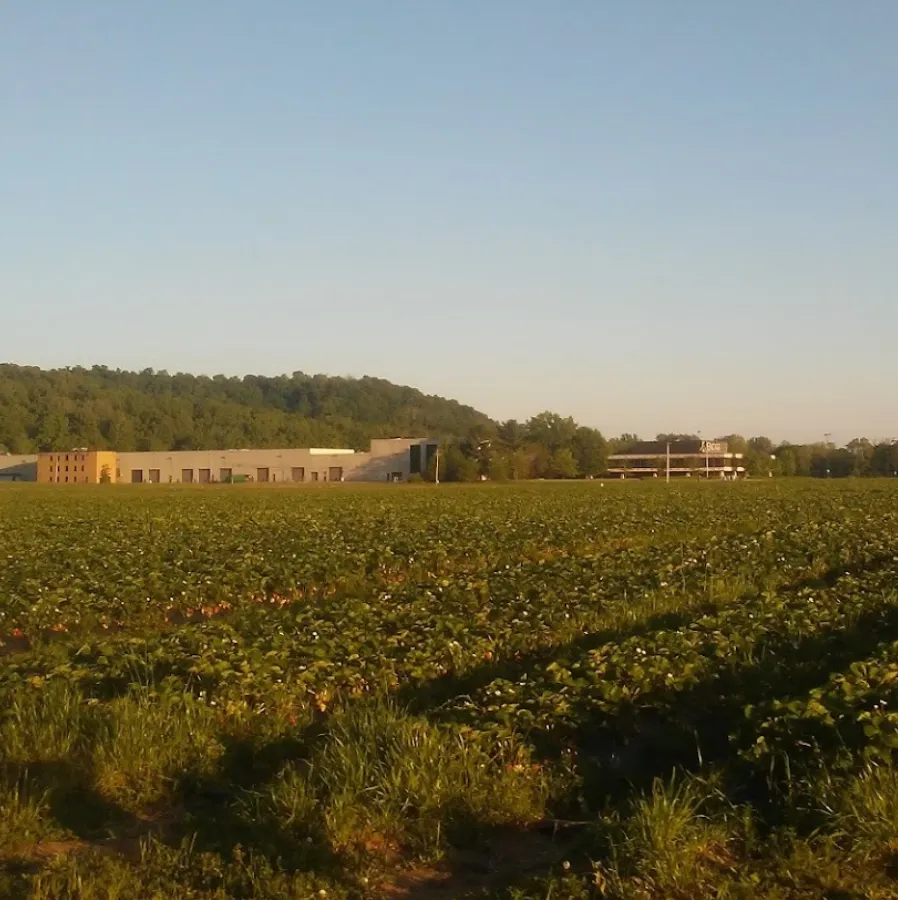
(480, 446)
(436, 470)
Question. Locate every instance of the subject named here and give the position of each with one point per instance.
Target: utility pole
(668, 462)
(436, 468)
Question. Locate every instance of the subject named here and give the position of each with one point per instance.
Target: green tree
(551, 431)
(468, 470)
(540, 462)
(761, 445)
(884, 459)
(803, 458)
(498, 467)
(521, 465)
(590, 451)
(673, 437)
(758, 453)
(562, 464)
(786, 462)
(149, 410)
(13, 432)
(53, 431)
(861, 451)
(118, 432)
(736, 443)
(456, 465)
(623, 443)
(512, 433)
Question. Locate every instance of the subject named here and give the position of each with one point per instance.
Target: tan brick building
(389, 459)
(76, 467)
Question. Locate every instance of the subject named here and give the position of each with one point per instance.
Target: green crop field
(553, 691)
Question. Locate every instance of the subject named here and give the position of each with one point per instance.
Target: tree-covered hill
(58, 409)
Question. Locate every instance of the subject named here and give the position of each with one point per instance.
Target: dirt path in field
(507, 858)
(32, 857)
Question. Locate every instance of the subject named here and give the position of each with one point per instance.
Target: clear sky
(649, 215)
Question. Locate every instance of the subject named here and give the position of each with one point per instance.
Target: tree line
(552, 446)
(101, 408)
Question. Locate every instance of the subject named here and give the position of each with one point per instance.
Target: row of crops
(305, 691)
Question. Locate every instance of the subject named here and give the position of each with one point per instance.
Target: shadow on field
(833, 574)
(678, 728)
(73, 804)
(88, 820)
(427, 696)
(228, 812)
(620, 755)
(706, 724)
(617, 755)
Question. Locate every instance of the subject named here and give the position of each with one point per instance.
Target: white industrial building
(388, 459)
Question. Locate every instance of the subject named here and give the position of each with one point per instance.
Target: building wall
(75, 467)
(386, 459)
(104, 463)
(15, 467)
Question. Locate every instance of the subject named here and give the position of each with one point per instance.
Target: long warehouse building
(388, 459)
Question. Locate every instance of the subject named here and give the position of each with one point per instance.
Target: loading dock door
(187, 476)
(335, 473)
(262, 474)
(414, 459)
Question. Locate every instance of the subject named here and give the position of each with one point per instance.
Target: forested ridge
(103, 408)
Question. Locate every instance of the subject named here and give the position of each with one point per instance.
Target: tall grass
(861, 811)
(671, 845)
(152, 745)
(382, 777)
(24, 817)
(48, 723)
(136, 750)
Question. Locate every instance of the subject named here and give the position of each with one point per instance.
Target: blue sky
(650, 216)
